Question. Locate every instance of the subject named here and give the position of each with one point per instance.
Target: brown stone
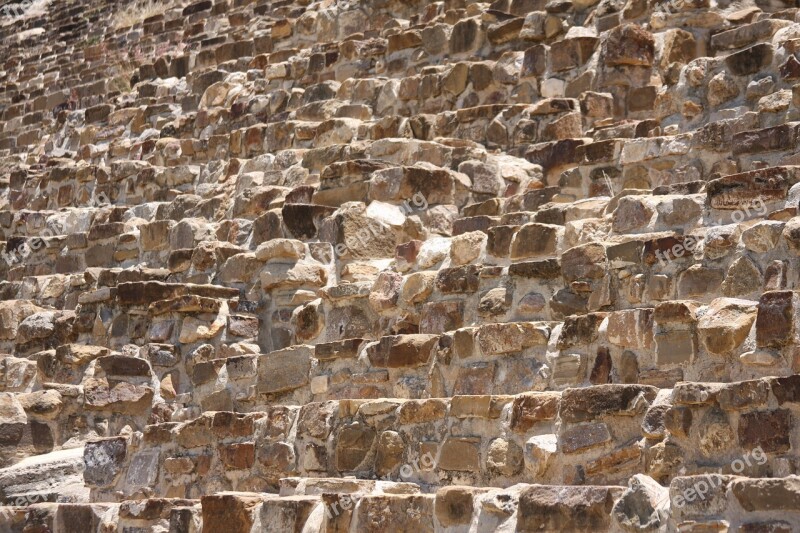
(585, 404)
(237, 456)
(353, 443)
(582, 437)
(284, 370)
(234, 512)
(460, 454)
(402, 351)
(389, 454)
(462, 279)
(454, 505)
(767, 494)
(495, 339)
(399, 512)
(767, 429)
(534, 240)
(421, 411)
(775, 319)
(749, 60)
(557, 508)
(629, 44)
(601, 370)
(504, 457)
(744, 395)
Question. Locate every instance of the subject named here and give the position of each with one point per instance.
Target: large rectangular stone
(776, 319)
(782, 494)
(751, 190)
(284, 370)
(395, 512)
(496, 339)
(397, 351)
(769, 430)
(589, 403)
(460, 454)
(675, 346)
(582, 437)
(566, 508)
(232, 512)
(631, 328)
(343, 349)
(746, 34)
(532, 408)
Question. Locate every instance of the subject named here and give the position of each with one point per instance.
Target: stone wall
(399, 265)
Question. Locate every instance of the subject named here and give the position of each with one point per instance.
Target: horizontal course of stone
(594, 435)
(330, 265)
(348, 505)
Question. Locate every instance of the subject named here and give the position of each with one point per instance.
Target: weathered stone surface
(766, 429)
(458, 280)
(402, 351)
(247, 245)
(749, 60)
(504, 457)
(748, 190)
(120, 396)
(643, 505)
(284, 370)
(405, 512)
(775, 322)
(231, 511)
(513, 337)
(353, 444)
(455, 505)
(460, 454)
(104, 460)
(558, 508)
(726, 325)
(766, 494)
(529, 409)
(12, 420)
(629, 45)
(579, 405)
(584, 436)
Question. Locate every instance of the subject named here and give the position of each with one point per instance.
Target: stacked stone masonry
(394, 265)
